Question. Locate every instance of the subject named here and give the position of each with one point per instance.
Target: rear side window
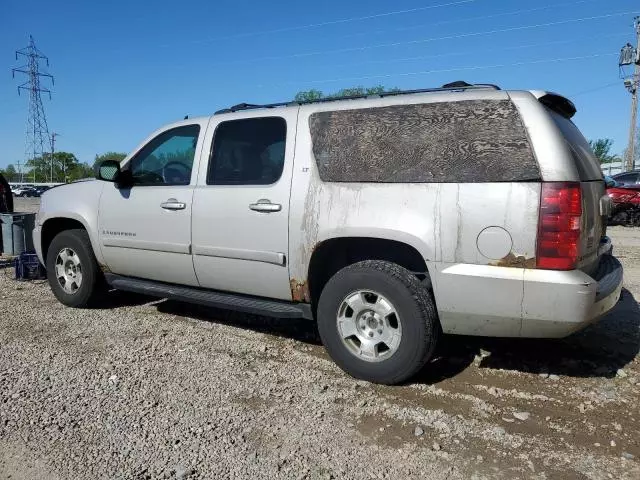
(248, 152)
(448, 142)
(585, 161)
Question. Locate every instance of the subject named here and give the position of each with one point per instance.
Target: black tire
(78, 241)
(416, 309)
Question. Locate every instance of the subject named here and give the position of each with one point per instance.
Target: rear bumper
(575, 303)
(512, 302)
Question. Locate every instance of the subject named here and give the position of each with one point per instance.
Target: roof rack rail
(449, 87)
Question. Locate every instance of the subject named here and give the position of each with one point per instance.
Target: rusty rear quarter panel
(441, 221)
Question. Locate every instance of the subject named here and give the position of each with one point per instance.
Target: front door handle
(265, 206)
(173, 204)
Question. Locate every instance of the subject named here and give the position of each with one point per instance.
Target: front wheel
(378, 322)
(72, 269)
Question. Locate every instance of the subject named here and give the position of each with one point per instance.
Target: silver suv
(387, 219)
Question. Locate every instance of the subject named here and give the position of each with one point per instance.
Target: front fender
(76, 201)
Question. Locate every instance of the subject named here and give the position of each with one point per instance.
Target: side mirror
(108, 170)
(609, 182)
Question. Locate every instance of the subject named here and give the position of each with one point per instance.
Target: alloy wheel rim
(68, 270)
(369, 326)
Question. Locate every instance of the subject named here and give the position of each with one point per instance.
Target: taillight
(559, 229)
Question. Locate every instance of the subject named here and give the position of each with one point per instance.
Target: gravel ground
(29, 205)
(140, 388)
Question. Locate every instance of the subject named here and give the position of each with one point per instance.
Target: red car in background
(626, 203)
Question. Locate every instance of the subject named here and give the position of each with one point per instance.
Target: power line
(470, 52)
(468, 19)
(596, 89)
(427, 40)
(449, 70)
(332, 22)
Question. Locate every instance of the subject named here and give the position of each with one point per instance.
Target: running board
(211, 298)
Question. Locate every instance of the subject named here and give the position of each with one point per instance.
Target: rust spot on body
(104, 268)
(512, 260)
(299, 291)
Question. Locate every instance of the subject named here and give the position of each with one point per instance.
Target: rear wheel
(378, 321)
(72, 269)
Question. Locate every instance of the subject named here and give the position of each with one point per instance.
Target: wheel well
(53, 227)
(335, 254)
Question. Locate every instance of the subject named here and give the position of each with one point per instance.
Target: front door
(241, 205)
(145, 230)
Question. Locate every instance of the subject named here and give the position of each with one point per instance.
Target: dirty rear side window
(467, 141)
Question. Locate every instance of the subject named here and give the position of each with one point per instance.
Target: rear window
(447, 142)
(585, 161)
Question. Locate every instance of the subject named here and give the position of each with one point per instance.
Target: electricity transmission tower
(37, 137)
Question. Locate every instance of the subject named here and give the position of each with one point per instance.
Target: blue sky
(124, 68)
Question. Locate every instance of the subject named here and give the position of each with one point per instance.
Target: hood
(89, 179)
(71, 197)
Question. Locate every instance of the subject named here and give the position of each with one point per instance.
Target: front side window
(248, 152)
(167, 159)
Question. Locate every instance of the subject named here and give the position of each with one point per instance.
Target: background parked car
(626, 203)
(6, 199)
(38, 191)
(628, 178)
(25, 191)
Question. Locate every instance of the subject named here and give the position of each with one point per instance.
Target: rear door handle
(265, 206)
(173, 204)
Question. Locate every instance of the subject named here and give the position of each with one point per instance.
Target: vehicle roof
(429, 95)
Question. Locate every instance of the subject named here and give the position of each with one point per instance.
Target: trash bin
(17, 232)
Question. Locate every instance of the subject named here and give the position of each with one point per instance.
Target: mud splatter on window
(465, 141)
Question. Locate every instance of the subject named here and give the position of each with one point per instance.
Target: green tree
(313, 95)
(308, 96)
(10, 173)
(65, 166)
(602, 150)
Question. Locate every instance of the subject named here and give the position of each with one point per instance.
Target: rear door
(595, 203)
(241, 204)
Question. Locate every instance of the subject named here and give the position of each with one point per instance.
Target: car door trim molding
(274, 258)
(146, 245)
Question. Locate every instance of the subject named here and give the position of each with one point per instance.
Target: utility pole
(37, 137)
(630, 56)
(53, 149)
(20, 171)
